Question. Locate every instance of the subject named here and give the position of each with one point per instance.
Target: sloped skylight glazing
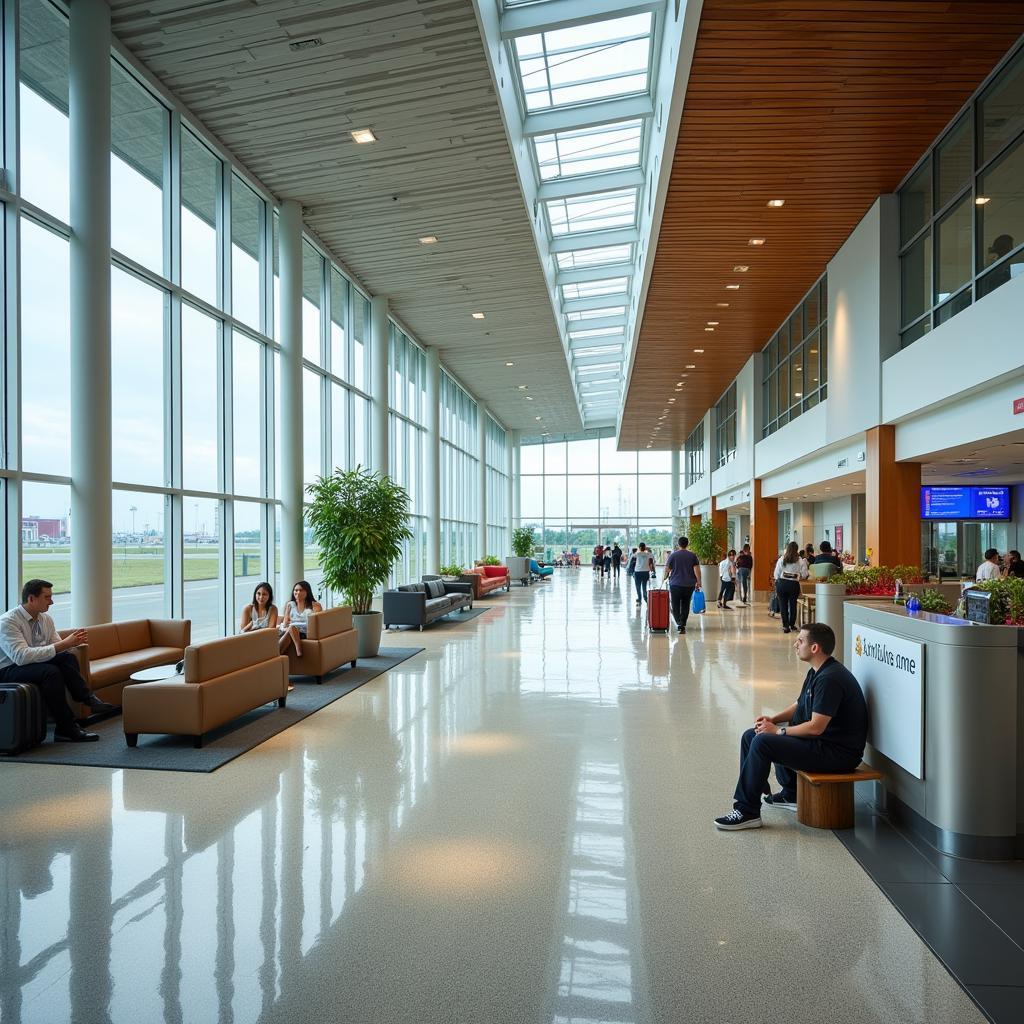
(570, 216)
(606, 254)
(589, 289)
(583, 63)
(579, 315)
(588, 150)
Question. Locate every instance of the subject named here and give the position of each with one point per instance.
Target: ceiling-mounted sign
(1018, 406)
(890, 670)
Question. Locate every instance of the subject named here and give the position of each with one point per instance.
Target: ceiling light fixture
(477, 316)
(712, 323)
(776, 203)
(510, 364)
(723, 305)
(699, 351)
(709, 330)
(522, 387)
(538, 417)
(733, 287)
(982, 200)
(740, 268)
(428, 239)
(529, 398)
(757, 241)
(691, 366)
(363, 135)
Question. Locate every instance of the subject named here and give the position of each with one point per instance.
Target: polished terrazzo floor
(513, 826)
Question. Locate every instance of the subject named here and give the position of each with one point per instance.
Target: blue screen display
(965, 502)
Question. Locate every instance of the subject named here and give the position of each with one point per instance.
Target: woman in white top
(727, 575)
(790, 569)
(262, 613)
(296, 613)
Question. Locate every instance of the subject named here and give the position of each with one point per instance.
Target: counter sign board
(890, 670)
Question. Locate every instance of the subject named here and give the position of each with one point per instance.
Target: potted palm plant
(360, 520)
(708, 543)
(522, 548)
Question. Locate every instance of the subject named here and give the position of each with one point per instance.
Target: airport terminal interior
(443, 308)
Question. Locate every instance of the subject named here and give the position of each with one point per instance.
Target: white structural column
(481, 454)
(515, 482)
(675, 494)
(432, 469)
(89, 137)
(289, 435)
(510, 505)
(379, 447)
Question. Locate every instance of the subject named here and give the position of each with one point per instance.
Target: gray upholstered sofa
(419, 604)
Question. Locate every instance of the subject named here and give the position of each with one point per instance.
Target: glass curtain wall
(460, 502)
(725, 427)
(497, 490)
(962, 208)
(194, 503)
(694, 455)
(579, 489)
(407, 382)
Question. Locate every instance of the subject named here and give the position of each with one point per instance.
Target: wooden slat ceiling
(823, 103)
(415, 71)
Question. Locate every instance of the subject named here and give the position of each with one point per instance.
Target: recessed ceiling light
(699, 351)
(691, 366)
(798, 394)
(982, 200)
(722, 305)
(477, 316)
(522, 387)
(710, 330)
(428, 239)
(732, 287)
(776, 203)
(538, 417)
(510, 364)
(712, 323)
(757, 241)
(364, 135)
(741, 268)
(814, 351)
(529, 398)
(671, 399)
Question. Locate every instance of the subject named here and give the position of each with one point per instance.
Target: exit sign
(1018, 406)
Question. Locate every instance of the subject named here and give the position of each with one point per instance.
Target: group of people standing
(793, 566)
(607, 560)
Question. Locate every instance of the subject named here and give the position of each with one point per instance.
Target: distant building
(35, 529)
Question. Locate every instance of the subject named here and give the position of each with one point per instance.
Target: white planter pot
(518, 568)
(709, 582)
(368, 629)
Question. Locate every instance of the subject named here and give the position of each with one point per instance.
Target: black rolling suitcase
(22, 717)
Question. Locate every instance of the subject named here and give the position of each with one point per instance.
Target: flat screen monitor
(965, 502)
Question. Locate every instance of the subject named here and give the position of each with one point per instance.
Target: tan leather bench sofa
(330, 641)
(222, 680)
(117, 649)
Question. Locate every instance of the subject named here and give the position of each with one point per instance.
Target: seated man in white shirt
(31, 651)
(989, 569)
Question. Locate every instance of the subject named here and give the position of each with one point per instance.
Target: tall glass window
(139, 131)
(200, 200)
(962, 208)
(460, 502)
(725, 427)
(694, 455)
(202, 387)
(247, 213)
(795, 362)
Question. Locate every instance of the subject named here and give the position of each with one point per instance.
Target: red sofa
(486, 578)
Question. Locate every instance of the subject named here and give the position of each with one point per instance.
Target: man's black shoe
(73, 733)
(781, 800)
(736, 820)
(99, 707)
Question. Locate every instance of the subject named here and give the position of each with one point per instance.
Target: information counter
(946, 705)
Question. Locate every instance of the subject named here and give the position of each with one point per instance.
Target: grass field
(136, 566)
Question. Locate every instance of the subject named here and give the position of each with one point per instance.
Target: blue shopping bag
(699, 603)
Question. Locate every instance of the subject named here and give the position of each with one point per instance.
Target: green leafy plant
(452, 570)
(359, 519)
(522, 541)
(933, 601)
(708, 542)
(490, 560)
(1006, 607)
(875, 580)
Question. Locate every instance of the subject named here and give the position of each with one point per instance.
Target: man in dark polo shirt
(827, 730)
(681, 568)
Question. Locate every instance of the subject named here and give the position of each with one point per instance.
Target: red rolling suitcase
(657, 611)
(22, 717)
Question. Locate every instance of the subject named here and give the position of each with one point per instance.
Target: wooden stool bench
(825, 799)
(805, 608)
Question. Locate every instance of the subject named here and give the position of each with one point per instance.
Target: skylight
(588, 150)
(588, 289)
(594, 314)
(606, 332)
(615, 209)
(588, 62)
(580, 258)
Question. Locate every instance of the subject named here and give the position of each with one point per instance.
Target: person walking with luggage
(727, 580)
(790, 569)
(616, 560)
(744, 568)
(642, 570)
(606, 562)
(681, 568)
(32, 651)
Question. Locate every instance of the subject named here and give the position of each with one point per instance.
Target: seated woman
(262, 613)
(296, 612)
